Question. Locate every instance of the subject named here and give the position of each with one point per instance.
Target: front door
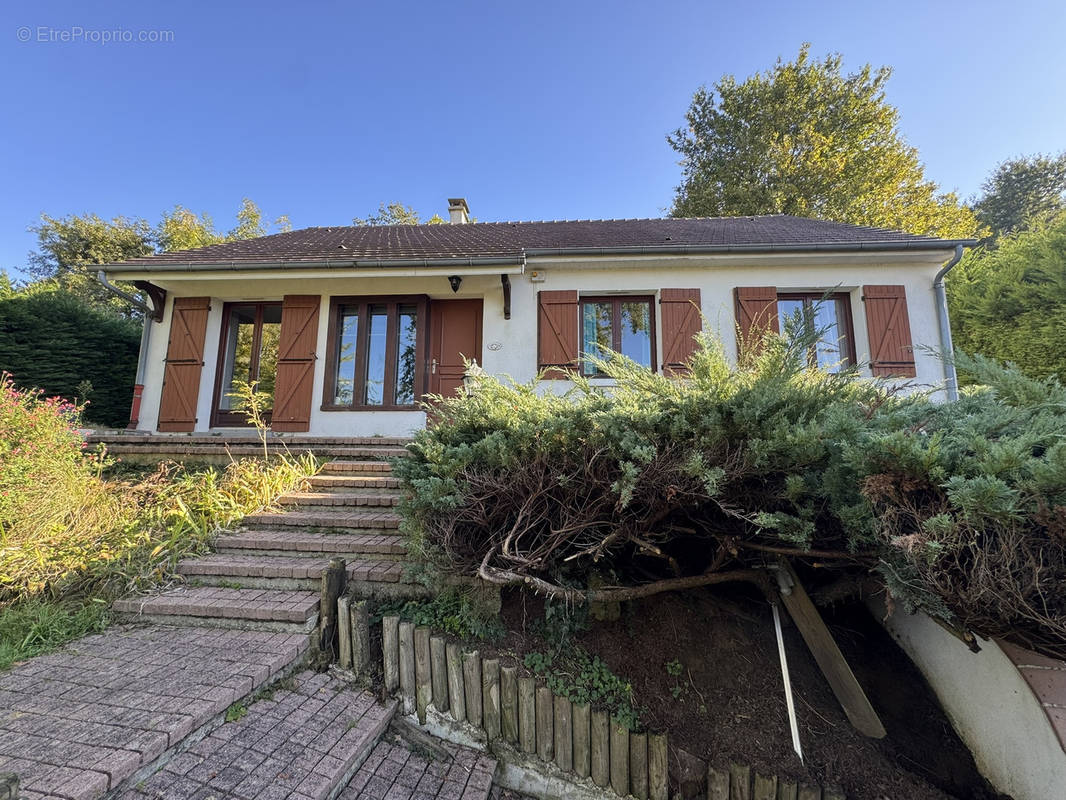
(456, 333)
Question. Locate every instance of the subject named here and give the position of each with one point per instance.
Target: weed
(236, 712)
(585, 678)
(561, 622)
(73, 536)
(33, 627)
(450, 611)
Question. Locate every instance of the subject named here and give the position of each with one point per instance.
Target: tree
(806, 139)
(396, 214)
(1009, 302)
(250, 223)
(68, 248)
(182, 229)
(1022, 190)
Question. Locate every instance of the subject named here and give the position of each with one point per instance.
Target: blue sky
(547, 110)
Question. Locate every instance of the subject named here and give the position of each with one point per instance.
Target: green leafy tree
(1009, 302)
(250, 223)
(396, 214)
(1021, 191)
(182, 229)
(70, 248)
(806, 139)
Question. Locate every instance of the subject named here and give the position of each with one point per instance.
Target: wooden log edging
(514, 714)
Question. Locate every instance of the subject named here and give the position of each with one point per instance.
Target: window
(249, 352)
(831, 315)
(620, 323)
(374, 348)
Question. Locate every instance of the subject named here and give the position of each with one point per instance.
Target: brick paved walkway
(393, 772)
(300, 743)
(77, 722)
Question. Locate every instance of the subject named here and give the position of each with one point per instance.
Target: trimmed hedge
(52, 340)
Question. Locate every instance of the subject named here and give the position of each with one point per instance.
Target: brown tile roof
(488, 240)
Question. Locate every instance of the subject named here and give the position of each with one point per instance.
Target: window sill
(325, 407)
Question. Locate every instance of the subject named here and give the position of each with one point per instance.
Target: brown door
(456, 333)
(184, 363)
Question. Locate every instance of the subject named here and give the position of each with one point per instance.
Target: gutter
(520, 259)
(242, 266)
(947, 349)
(698, 249)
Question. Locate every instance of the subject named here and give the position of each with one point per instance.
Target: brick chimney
(458, 211)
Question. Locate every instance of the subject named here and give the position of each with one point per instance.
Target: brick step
(348, 466)
(273, 440)
(293, 572)
(340, 499)
(304, 740)
(325, 519)
(252, 450)
(395, 772)
(321, 481)
(219, 607)
(311, 544)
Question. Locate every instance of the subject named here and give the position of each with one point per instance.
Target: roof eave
(519, 260)
(799, 247)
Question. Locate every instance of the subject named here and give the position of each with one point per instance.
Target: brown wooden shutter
(889, 327)
(681, 321)
(184, 364)
(756, 308)
(294, 387)
(557, 333)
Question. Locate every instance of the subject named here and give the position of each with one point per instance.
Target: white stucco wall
(990, 706)
(510, 346)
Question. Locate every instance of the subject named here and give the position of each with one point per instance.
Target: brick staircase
(266, 574)
(207, 700)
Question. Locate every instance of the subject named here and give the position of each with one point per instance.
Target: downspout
(947, 349)
(142, 354)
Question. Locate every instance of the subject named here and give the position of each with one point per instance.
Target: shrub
(659, 484)
(51, 339)
(72, 539)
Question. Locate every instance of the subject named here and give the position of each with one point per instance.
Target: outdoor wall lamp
(456, 281)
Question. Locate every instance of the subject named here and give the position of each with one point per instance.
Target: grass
(35, 626)
(75, 539)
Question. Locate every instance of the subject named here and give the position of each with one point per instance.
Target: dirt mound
(704, 667)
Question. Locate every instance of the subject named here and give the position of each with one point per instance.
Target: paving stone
(311, 543)
(237, 566)
(214, 601)
(302, 761)
(83, 748)
(393, 772)
(335, 519)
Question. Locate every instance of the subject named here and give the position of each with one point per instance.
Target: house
(348, 327)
